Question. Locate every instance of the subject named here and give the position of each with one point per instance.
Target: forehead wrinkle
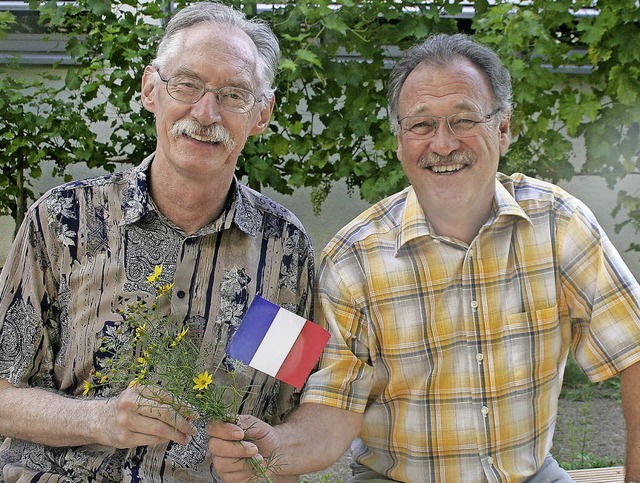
(431, 89)
(240, 81)
(236, 52)
(459, 107)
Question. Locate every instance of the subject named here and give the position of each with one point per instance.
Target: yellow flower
(153, 278)
(164, 289)
(202, 381)
(88, 385)
(179, 337)
(140, 378)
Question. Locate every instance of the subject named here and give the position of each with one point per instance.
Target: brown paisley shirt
(84, 252)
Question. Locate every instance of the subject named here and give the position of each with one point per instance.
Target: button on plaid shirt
(456, 353)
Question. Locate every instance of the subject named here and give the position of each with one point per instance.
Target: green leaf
(308, 56)
(72, 80)
(287, 64)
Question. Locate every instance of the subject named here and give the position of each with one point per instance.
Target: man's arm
(630, 383)
(311, 439)
(127, 421)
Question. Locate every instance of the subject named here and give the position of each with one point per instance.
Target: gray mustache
(214, 133)
(434, 159)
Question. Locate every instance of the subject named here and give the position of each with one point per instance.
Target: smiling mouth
(446, 168)
(213, 135)
(446, 165)
(202, 139)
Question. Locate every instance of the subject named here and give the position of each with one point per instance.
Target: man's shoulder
(381, 220)
(534, 193)
(269, 207)
(106, 183)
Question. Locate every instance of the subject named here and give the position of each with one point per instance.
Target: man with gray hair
(86, 248)
(454, 303)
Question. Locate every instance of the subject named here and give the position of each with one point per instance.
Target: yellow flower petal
(155, 275)
(164, 289)
(202, 381)
(88, 385)
(179, 337)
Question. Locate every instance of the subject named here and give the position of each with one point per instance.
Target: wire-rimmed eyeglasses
(461, 124)
(190, 89)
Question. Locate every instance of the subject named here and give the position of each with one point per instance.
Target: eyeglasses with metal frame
(189, 90)
(461, 124)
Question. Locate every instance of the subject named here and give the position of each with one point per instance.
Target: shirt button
(479, 357)
(474, 304)
(485, 410)
(490, 460)
(180, 294)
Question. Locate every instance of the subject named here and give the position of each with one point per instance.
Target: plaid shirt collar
(415, 224)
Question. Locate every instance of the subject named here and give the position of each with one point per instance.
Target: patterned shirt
(455, 353)
(84, 252)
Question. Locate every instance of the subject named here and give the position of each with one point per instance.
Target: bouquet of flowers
(154, 353)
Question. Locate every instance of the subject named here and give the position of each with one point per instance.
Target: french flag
(278, 342)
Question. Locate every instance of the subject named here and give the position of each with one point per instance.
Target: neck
(460, 221)
(188, 204)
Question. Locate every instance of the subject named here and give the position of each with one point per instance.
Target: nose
(207, 110)
(443, 141)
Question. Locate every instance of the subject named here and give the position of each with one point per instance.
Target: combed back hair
(212, 12)
(442, 50)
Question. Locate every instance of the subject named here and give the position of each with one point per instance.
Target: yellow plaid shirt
(456, 353)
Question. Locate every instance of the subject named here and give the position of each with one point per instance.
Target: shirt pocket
(533, 346)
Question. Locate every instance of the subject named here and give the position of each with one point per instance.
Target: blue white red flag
(278, 342)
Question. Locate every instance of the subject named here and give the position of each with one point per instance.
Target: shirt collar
(239, 209)
(415, 224)
(505, 202)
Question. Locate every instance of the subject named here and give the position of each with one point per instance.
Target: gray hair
(212, 12)
(442, 50)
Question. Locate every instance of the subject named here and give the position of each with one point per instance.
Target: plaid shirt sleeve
(601, 296)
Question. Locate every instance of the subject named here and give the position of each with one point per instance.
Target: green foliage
(576, 73)
(6, 20)
(579, 436)
(38, 123)
(578, 387)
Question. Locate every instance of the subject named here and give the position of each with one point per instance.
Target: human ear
(266, 109)
(504, 130)
(148, 90)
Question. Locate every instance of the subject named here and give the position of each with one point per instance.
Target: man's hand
(313, 437)
(229, 452)
(144, 416)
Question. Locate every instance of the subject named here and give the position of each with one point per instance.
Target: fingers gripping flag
(278, 342)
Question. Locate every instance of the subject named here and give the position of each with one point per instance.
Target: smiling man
(86, 249)
(453, 304)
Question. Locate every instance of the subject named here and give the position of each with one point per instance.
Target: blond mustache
(215, 133)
